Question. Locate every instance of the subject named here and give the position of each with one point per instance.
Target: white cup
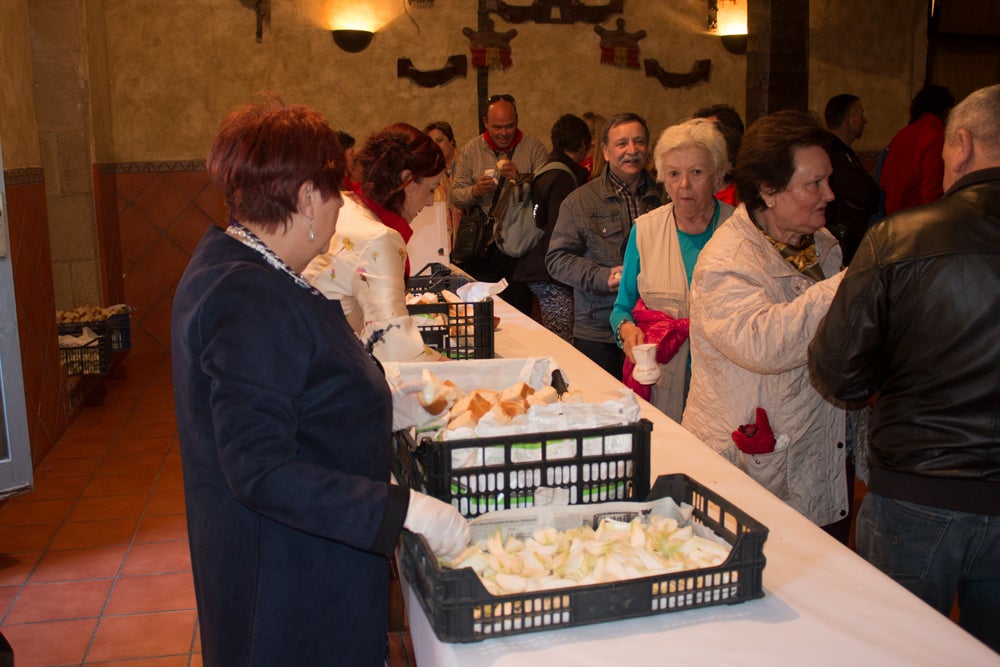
(646, 370)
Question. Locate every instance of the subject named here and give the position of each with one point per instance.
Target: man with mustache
(588, 242)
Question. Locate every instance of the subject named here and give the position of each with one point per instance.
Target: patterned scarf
(252, 241)
(803, 256)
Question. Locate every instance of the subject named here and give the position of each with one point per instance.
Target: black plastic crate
(467, 331)
(116, 325)
(592, 472)
(91, 359)
(460, 609)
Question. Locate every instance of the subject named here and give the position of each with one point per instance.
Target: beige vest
(663, 286)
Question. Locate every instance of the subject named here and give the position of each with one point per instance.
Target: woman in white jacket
(760, 288)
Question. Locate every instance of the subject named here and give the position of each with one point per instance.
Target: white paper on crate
(405, 382)
(522, 522)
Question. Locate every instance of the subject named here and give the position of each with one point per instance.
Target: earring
(312, 232)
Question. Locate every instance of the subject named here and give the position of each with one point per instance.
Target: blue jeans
(936, 553)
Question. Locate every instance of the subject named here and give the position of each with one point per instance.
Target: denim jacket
(587, 242)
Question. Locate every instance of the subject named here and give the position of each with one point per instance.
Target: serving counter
(823, 604)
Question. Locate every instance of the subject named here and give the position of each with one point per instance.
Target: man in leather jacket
(917, 322)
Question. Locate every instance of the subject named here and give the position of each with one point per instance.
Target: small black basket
(594, 465)
(91, 359)
(116, 325)
(457, 330)
(460, 609)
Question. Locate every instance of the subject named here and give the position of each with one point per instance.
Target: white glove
(446, 531)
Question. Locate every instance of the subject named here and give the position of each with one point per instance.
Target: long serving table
(823, 604)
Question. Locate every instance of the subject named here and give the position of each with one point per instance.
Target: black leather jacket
(917, 321)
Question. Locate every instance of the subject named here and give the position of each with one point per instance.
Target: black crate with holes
(457, 330)
(460, 609)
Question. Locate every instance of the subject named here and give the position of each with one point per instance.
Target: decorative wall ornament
(542, 11)
(262, 8)
(699, 72)
(457, 66)
(620, 48)
(490, 48)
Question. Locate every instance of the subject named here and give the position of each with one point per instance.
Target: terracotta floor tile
(16, 568)
(7, 595)
(142, 636)
(136, 428)
(77, 564)
(59, 487)
(60, 602)
(165, 501)
(169, 661)
(80, 534)
(157, 558)
(93, 508)
(149, 593)
(119, 485)
(129, 465)
(171, 479)
(46, 644)
(136, 446)
(84, 445)
(165, 528)
(75, 466)
(26, 510)
(26, 538)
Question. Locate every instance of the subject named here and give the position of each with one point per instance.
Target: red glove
(756, 438)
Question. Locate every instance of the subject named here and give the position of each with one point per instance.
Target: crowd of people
(799, 334)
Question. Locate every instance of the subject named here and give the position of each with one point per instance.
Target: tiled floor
(94, 565)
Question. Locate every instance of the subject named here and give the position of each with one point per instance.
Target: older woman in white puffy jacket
(760, 288)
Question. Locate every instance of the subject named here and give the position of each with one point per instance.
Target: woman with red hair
(365, 267)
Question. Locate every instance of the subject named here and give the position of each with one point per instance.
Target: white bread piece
(464, 420)
(544, 396)
(491, 396)
(519, 391)
(452, 391)
(504, 411)
(434, 396)
(450, 297)
(460, 406)
(572, 397)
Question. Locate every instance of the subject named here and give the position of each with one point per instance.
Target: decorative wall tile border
(23, 176)
(150, 167)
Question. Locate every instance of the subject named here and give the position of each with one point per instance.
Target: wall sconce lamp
(352, 41)
(735, 44)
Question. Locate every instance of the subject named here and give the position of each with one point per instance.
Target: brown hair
(263, 153)
(767, 157)
(384, 157)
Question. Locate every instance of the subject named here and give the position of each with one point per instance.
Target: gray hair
(699, 132)
(979, 113)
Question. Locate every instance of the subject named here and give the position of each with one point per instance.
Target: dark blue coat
(284, 424)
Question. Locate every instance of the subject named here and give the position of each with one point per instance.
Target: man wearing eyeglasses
(588, 243)
(500, 153)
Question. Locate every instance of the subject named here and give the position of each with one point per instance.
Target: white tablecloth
(823, 605)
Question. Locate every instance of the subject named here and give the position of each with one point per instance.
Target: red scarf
(388, 218)
(510, 147)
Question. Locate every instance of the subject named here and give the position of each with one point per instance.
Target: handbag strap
(500, 184)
